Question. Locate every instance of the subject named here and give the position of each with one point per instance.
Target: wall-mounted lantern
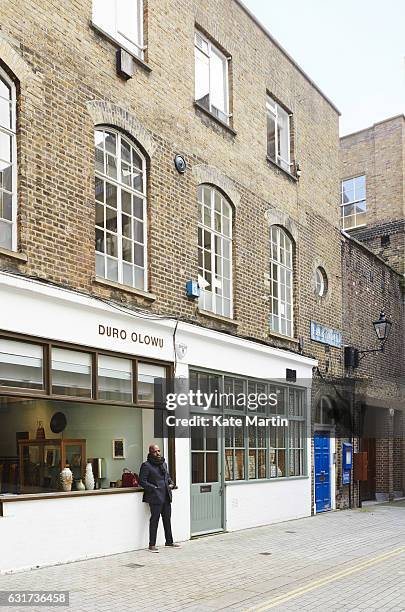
(382, 329)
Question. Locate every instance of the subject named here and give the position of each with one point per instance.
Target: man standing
(158, 484)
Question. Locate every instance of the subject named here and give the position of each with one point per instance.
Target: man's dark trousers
(156, 510)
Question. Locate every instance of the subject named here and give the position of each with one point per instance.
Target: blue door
(322, 470)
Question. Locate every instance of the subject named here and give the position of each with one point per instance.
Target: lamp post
(382, 328)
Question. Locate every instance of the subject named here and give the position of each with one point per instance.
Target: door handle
(221, 491)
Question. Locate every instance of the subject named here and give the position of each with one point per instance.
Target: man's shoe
(153, 549)
(173, 545)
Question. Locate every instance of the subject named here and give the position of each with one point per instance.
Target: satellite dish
(58, 422)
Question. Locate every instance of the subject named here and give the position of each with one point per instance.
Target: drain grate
(134, 565)
(266, 554)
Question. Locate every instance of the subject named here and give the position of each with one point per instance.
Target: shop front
(78, 384)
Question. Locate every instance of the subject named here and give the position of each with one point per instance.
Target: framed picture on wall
(118, 448)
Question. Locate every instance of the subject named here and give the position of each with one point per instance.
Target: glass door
(206, 476)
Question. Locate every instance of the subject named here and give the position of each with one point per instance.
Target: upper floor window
(8, 166)
(353, 202)
(211, 78)
(215, 251)
(121, 20)
(278, 134)
(120, 192)
(281, 282)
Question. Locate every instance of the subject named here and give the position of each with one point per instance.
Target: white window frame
(353, 202)
(13, 133)
(214, 255)
(287, 267)
(208, 49)
(275, 110)
(105, 19)
(143, 195)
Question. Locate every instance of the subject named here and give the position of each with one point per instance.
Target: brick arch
(107, 113)
(276, 217)
(209, 174)
(13, 61)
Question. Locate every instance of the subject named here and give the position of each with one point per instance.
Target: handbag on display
(129, 479)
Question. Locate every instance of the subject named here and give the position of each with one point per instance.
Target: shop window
(353, 202)
(120, 202)
(214, 251)
(253, 451)
(151, 381)
(71, 373)
(32, 457)
(114, 379)
(21, 365)
(278, 134)
(122, 21)
(281, 282)
(8, 164)
(211, 78)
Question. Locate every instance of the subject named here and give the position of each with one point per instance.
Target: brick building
(372, 168)
(373, 178)
(140, 152)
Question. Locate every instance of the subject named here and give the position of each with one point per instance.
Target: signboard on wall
(326, 335)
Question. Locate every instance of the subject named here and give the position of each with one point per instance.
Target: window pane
(271, 137)
(71, 373)
(151, 379)
(217, 81)
(239, 465)
(99, 190)
(21, 364)
(202, 78)
(212, 467)
(197, 438)
(112, 269)
(197, 467)
(5, 147)
(114, 378)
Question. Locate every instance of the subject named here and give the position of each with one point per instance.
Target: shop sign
(120, 333)
(326, 335)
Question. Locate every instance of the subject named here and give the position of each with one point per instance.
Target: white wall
(256, 504)
(46, 532)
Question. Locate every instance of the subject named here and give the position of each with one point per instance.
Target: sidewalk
(356, 557)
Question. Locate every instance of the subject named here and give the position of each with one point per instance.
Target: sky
(354, 50)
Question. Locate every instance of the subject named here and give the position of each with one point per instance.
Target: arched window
(8, 164)
(120, 210)
(215, 251)
(281, 281)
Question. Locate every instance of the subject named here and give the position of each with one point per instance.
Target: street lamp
(382, 328)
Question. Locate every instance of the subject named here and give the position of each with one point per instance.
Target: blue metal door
(322, 470)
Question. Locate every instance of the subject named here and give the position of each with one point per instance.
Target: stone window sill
(292, 177)
(112, 40)
(126, 288)
(63, 494)
(14, 254)
(273, 334)
(224, 125)
(217, 317)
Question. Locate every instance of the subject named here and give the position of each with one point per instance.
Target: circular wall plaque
(58, 422)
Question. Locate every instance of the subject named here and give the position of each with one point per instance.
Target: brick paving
(230, 571)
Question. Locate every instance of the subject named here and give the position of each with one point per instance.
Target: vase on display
(40, 435)
(89, 477)
(79, 485)
(66, 479)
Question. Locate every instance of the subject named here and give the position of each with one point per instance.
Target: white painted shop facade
(235, 481)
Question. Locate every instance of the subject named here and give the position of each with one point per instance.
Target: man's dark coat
(156, 481)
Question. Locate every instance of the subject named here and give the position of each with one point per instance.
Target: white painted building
(51, 341)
